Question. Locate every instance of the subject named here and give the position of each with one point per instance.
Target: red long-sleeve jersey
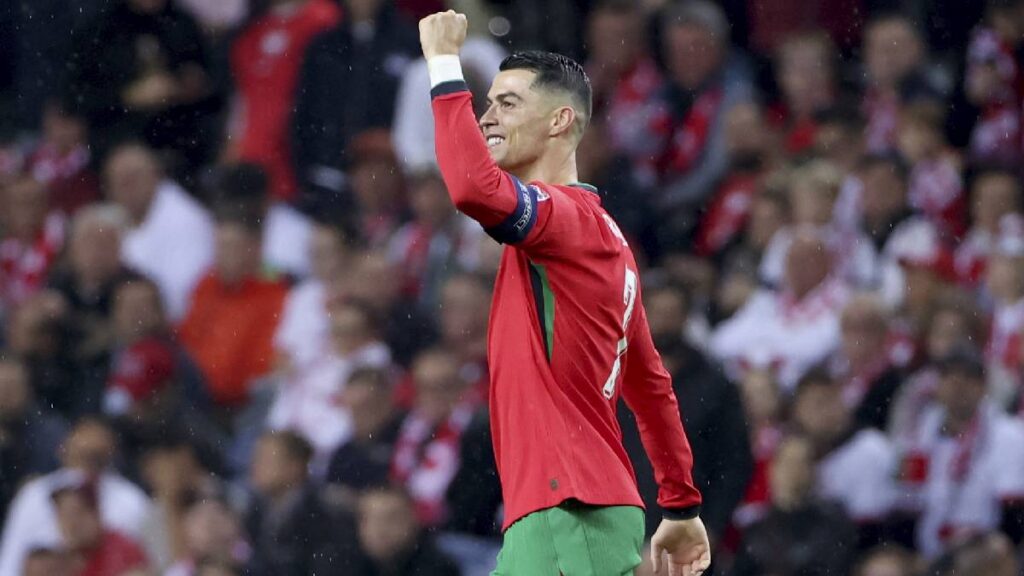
(568, 334)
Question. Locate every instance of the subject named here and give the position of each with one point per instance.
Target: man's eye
(506, 105)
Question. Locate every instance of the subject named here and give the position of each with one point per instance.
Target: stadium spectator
(895, 59)
(712, 413)
(464, 305)
(377, 187)
(364, 461)
(805, 70)
(839, 137)
(738, 278)
(213, 534)
(171, 470)
(1004, 282)
(31, 241)
(623, 75)
(86, 281)
(963, 470)
(798, 535)
(93, 549)
(955, 319)
(286, 231)
(404, 327)
(436, 243)
(936, 188)
(140, 71)
(309, 401)
(994, 194)
(30, 435)
(265, 63)
(704, 81)
(88, 451)
(368, 54)
(426, 455)
(992, 84)
(763, 408)
(62, 159)
(814, 190)
(292, 530)
(392, 541)
(230, 324)
(305, 327)
(864, 365)
(748, 141)
(855, 467)
(35, 334)
(142, 338)
(793, 329)
(160, 214)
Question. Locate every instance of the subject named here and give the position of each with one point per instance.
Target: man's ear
(562, 120)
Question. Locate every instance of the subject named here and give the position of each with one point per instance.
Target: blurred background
(244, 330)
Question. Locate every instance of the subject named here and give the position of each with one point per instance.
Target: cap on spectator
(1010, 241)
(139, 372)
(962, 359)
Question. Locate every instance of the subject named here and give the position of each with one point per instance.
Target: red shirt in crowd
(266, 60)
(229, 331)
(115, 555)
(568, 334)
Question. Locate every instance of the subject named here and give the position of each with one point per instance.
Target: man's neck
(550, 170)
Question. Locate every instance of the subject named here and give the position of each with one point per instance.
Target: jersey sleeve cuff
(444, 68)
(687, 513)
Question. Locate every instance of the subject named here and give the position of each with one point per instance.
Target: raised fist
(442, 33)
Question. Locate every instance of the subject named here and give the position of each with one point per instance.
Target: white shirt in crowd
(860, 476)
(308, 401)
(965, 479)
(173, 246)
(305, 330)
(856, 260)
(772, 329)
(32, 520)
(286, 236)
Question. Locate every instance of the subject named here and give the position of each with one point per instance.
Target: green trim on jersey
(585, 186)
(574, 539)
(545, 301)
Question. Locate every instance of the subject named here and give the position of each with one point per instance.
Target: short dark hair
(296, 447)
(887, 159)
(555, 72)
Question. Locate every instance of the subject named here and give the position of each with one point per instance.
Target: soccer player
(568, 333)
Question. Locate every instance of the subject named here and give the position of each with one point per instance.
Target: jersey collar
(585, 186)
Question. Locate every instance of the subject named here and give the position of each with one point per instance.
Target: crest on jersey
(541, 194)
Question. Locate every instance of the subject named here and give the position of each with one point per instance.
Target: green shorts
(573, 539)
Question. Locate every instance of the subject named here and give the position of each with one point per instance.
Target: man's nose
(488, 118)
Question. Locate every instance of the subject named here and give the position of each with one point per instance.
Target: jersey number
(629, 299)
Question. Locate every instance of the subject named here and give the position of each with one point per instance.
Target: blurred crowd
(244, 330)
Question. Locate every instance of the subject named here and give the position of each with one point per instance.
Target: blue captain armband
(518, 225)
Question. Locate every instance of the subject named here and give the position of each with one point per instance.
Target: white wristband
(444, 68)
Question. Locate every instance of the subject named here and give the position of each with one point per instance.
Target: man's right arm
(477, 186)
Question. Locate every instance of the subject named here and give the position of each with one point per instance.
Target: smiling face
(521, 119)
